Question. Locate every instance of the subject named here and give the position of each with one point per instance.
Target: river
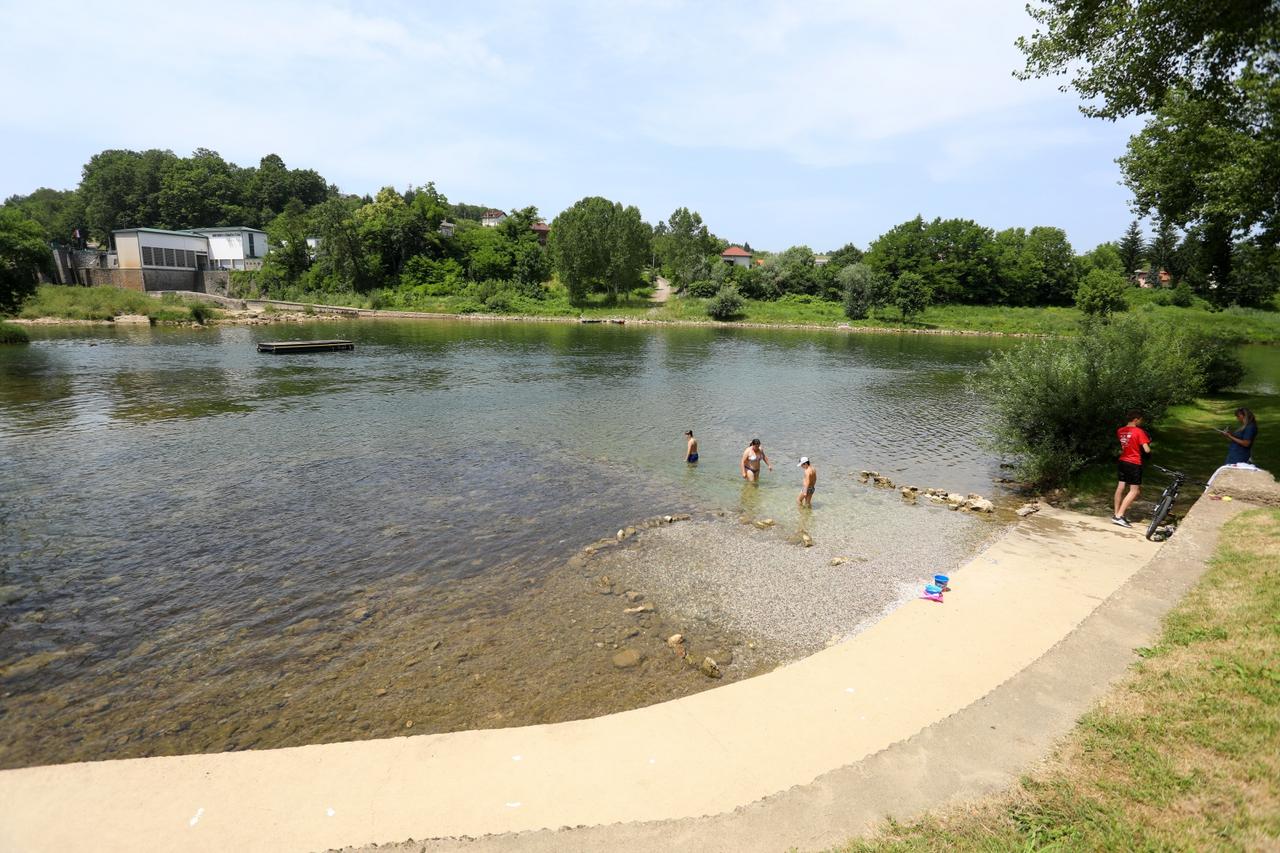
(204, 548)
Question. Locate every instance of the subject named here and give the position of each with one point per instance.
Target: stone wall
(217, 282)
(126, 279)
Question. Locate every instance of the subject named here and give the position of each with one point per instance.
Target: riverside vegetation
(1180, 756)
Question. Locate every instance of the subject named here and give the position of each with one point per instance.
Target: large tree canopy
(599, 245)
(1208, 76)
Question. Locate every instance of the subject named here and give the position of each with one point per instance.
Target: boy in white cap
(808, 484)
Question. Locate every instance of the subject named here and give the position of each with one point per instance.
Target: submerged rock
(639, 608)
(839, 561)
(709, 668)
(11, 594)
(675, 640)
(1028, 509)
(627, 659)
(806, 540)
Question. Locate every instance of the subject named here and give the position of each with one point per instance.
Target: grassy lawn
(104, 303)
(1183, 755)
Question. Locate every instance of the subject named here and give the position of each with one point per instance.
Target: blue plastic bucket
(941, 580)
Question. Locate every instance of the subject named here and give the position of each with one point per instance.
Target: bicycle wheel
(1162, 509)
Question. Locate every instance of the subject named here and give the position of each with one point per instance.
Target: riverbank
(705, 754)
(792, 312)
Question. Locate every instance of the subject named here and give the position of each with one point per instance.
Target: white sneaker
(1120, 520)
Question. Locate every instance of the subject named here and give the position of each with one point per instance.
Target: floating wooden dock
(304, 346)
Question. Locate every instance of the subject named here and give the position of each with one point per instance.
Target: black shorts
(1129, 472)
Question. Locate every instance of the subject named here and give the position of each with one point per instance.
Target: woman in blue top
(1241, 449)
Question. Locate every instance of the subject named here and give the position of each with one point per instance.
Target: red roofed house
(736, 255)
(542, 229)
(491, 218)
(1145, 279)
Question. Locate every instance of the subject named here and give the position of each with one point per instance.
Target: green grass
(105, 303)
(1183, 755)
(11, 334)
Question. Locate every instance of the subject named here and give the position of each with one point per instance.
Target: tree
(1048, 266)
(1131, 248)
(844, 256)
(911, 294)
(863, 289)
(1208, 77)
(197, 191)
(1104, 256)
(599, 245)
(960, 262)
(683, 246)
(1102, 292)
(793, 270)
(290, 256)
(341, 261)
(1161, 249)
(119, 189)
(59, 212)
(902, 248)
(24, 255)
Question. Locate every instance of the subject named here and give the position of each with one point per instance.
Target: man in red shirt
(1134, 445)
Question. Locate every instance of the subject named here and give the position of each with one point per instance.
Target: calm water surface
(172, 495)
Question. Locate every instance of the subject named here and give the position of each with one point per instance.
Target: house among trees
(1143, 278)
(491, 218)
(446, 228)
(737, 256)
(541, 229)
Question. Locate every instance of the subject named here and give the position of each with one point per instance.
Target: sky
(818, 123)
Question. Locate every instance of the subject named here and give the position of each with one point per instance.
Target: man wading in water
(808, 483)
(751, 459)
(691, 452)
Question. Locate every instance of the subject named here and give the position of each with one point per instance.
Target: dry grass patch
(1183, 755)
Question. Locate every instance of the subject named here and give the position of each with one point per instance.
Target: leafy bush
(704, 289)
(726, 304)
(11, 334)
(1220, 363)
(1181, 295)
(911, 294)
(201, 313)
(757, 283)
(862, 288)
(1101, 293)
(1057, 402)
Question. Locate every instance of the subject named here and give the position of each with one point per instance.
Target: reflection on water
(181, 512)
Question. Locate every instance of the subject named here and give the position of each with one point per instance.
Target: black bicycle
(1166, 500)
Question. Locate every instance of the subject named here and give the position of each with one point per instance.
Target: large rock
(979, 504)
(627, 659)
(11, 594)
(1028, 509)
(710, 668)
